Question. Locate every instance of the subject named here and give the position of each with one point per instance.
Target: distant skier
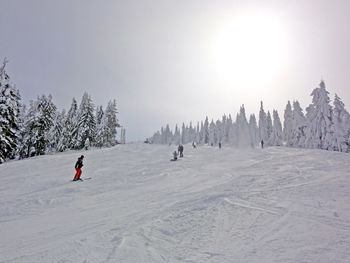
(262, 144)
(175, 156)
(181, 150)
(219, 145)
(194, 145)
(78, 166)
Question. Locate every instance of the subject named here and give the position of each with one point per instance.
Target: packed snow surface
(214, 205)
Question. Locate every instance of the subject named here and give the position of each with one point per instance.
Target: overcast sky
(165, 61)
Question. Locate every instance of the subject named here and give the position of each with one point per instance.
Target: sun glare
(250, 50)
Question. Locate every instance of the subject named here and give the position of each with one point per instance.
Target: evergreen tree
(39, 121)
(56, 136)
(206, 130)
(111, 123)
(220, 131)
(288, 124)
(168, 135)
(212, 133)
(233, 133)
(198, 134)
(298, 126)
(100, 127)
(191, 133)
(276, 136)
(156, 138)
(86, 128)
(183, 134)
(228, 129)
(242, 129)
(177, 135)
(70, 128)
(224, 129)
(201, 133)
(341, 120)
(21, 134)
(9, 111)
(162, 136)
(269, 129)
(320, 131)
(263, 124)
(99, 115)
(253, 130)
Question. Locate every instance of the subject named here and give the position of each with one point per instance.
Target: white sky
(165, 61)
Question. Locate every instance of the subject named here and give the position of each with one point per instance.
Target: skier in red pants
(78, 166)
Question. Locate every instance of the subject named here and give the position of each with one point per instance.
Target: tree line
(41, 128)
(323, 126)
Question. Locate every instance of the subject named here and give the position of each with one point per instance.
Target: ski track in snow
(214, 205)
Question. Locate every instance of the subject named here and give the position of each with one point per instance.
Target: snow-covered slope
(228, 205)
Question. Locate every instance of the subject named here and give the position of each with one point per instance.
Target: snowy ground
(271, 205)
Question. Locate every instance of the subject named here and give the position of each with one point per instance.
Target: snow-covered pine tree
(162, 136)
(86, 128)
(341, 120)
(22, 130)
(206, 131)
(198, 135)
(228, 129)
(253, 131)
(177, 136)
(156, 138)
(288, 124)
(269, 129)
(9, 111)
(28, 131)
(56, 137)
(39, 121)
(220, 131)
(201, 133)
(183, 134)
(242, 129)
(191, 133)
(262, 124)
(233, 133)
(320, 131)
(298, 126)
(111, 123)
(212, 133)
(47, 115)
(168, 135)
(99, 115)
(70, 128)
(224, 130)
(100, 125)
(276, 136)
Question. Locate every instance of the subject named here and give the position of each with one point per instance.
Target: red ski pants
(77, 175)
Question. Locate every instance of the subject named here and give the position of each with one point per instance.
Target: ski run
(277, 204)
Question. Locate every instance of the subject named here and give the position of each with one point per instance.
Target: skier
(181, 149)
(262, 144)
(194, 145)
(219, 145)
(78, 166)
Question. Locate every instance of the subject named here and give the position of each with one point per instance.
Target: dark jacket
(79, 163)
